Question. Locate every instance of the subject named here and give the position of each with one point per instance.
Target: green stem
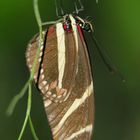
(32, 129)
(41, 36)
(38, 19)
(17, 98)
(37, 14)
(29, 82)
(41, 43)
(27, 112)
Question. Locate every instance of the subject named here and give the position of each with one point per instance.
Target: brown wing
(72, 117)
(65, 81)
(57, 72)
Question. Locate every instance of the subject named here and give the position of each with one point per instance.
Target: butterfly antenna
(61, 7)
(112, 68)
(81, 5)
(56, 9)
(76, 8)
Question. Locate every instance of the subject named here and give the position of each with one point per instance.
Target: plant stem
(41, 36)
(29, 82)
(32, 128)
(27, 112)
(15, 100)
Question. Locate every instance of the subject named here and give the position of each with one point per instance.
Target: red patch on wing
(51, 30)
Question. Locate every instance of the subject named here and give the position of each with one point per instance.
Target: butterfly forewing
(65, 81)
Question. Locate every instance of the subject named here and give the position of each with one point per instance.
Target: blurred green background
(117, 28)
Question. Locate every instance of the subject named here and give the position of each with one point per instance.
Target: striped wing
(64, 78)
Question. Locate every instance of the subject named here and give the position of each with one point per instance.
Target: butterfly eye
(81, 25)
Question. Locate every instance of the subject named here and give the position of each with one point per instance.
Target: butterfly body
(64, 79)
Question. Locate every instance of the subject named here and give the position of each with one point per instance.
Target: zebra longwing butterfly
(64, 79)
